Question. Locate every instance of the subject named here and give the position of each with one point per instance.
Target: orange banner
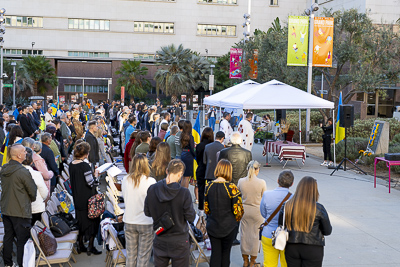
(323, 42)
(254, 65)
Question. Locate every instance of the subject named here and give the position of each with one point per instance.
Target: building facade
(89, 38)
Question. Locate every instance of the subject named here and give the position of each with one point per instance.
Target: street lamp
(13, 64)
(310, 12)
(2, 32)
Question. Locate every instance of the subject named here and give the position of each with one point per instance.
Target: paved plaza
(364, 219)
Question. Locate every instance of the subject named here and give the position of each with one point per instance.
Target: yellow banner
(323, 42)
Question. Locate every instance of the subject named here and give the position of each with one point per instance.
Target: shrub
(354, 145)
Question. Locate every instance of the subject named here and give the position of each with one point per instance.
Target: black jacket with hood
(159, 197)
(18, 190)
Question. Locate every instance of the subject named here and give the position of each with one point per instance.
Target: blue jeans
(211, 122)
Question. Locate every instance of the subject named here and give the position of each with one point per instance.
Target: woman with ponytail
(308, 223)
(252, 189)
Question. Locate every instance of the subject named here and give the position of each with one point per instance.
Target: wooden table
(285, 152)
(389, 163)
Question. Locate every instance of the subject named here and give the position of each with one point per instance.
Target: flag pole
(334, 141)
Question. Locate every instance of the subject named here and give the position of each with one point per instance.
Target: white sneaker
(324, 163)
(330, 164)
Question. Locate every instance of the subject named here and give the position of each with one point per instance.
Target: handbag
(58, 226)
(280, 236)
(196, 232)
(273, 215)
(47, 241)
(69, 220)
(201, 225)
(96, 206)
(165, 222)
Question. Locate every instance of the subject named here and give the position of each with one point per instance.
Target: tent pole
(220, 118)
(300, 124)
(334, 136)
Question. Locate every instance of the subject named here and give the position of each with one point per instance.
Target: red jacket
(127, 157)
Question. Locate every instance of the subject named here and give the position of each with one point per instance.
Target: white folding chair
(60, 257)
(51, 207)
(199, 255)
(68, 238)
(117, 256)
(66, 168)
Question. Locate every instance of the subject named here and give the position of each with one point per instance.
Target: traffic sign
(7, 85)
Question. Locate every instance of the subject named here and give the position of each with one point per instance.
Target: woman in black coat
(207, 137)
(308, 223)
(83, 186)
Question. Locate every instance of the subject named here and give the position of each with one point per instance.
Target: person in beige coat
(252, 189)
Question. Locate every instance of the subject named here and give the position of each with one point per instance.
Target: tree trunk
(174, 98)
(35, 88)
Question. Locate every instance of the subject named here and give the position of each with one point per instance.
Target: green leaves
(41, 72)
(183, 70)
(131, 77)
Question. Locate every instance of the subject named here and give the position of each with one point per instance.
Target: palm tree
(42, 73)
(276, 26)
(173, 79)
(23, 81)
(199, 69)
(131, 76)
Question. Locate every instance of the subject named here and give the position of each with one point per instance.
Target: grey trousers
(139, 242)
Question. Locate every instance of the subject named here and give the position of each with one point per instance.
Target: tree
(198, 71)
(172, 79)
(41, 72)
(131, 77)
(367, 56)
(23, 82)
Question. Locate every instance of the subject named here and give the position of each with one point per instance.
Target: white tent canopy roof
(215, 100)
(273, 95)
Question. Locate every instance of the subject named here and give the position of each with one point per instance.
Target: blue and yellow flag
(53, 109)
(340, 131)
(5, 160)
(196, 137)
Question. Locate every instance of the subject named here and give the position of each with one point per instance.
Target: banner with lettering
(297, 41)
(323, 42)
(235, 71)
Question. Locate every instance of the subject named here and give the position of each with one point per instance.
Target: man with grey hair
(238, 156)
(48, 156)
(28, 142)
(64, 129)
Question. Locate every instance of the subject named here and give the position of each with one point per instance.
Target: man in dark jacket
(48, 156)
(31, 117)
(168, 195)
(94, 145)
(238, 156)
(24, 122)
(210, 154)
(18, 193)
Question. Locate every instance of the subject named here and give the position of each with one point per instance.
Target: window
(87, 54)
(17, 21)
(273, 3)
(153, 27)
(223, 2)
(22, 52)
(88, 88)
(216, 30)
(144, 56)
(89, 24)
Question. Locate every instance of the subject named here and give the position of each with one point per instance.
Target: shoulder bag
(96, 206)
(58, 226)
(273, 215)
(47, 241)
(165, 222)
(280, 236)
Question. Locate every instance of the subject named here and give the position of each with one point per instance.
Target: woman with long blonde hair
(139, 232)
(308, 223)
(252, 189)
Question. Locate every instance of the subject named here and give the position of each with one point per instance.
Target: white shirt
(38, 205)
(134, 200)
(48, 118)
(246, 132)
(225, 126)
(164, 121)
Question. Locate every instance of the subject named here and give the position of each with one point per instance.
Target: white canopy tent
(215, 100)
(272, 95)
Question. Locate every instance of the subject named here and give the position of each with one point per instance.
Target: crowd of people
(159, 155)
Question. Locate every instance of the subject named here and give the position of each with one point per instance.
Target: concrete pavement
(365, 219)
